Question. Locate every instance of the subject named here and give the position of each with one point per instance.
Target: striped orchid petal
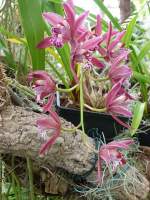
(119, 121)
(47, 145)
(109, 35)
(97, 63)
(82, 36)
(79, 21)
(98, 28)
(111, 96)
(43, 84)
(121, 110)
(120, 58)
(53, 18)
(46, 123)
(117, 103)
(117, 73)
(124, 144)
(70, 14)
(112, 45)
(112, 156)
(47, 42)
(48, 106)
(91, 43)
(52, 122)
(70, 2)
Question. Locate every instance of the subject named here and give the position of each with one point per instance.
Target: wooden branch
(19, 136)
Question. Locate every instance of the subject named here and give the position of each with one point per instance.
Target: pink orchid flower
(43, 84)
(51, 122)
(119, 71)
(71, 29)
(110, 154)
(65, 29)
(117, 103)
(113, 44)
(82, 52)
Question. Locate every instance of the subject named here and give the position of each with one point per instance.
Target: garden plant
(74, 103)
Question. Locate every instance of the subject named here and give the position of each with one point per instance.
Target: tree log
(19, 135)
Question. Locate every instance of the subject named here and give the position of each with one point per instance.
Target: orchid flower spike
(52, 122)
(43, 84)
(113, 44)
(64, 29)
(112, 156)
(119, 71)
(117, 103)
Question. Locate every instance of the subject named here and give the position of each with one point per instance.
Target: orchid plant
(99, 65)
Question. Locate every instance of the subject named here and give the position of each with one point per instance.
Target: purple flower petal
(46, 123)
(91, 43)
(47, 42)
(97, 63)
(46, 146)
(116, 41)
(70, 14)
(120, 122)
(82, 36)
(98, 29)
(121, 110)
(79, 21)
(53, 18)
(120, 144)
(120, 58)
(113, 93)
(111, 155)
(118, 73)
(109, 34)
(102, 51)
(48, 106)
(70, 2)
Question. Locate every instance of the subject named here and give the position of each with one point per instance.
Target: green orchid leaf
(137, 117)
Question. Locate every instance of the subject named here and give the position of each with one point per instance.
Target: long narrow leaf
(142, 78)
(65, 56)
(31, 17)
(129, 32)
(137, 117)
(145, 49)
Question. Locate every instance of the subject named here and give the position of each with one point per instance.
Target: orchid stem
(24, 89)
(95, 109)
(100, 79)
(67, 90)
(84, 136)
(72, 130)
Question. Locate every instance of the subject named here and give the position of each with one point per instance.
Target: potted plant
(99, 89)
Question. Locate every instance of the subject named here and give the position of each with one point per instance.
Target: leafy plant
(34, 30)
(98, 66)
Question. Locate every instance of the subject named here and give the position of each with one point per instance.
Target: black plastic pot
(144, 135)
(96, 124)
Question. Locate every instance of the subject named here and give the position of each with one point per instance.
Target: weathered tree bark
(125, 9)
(19, 135)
